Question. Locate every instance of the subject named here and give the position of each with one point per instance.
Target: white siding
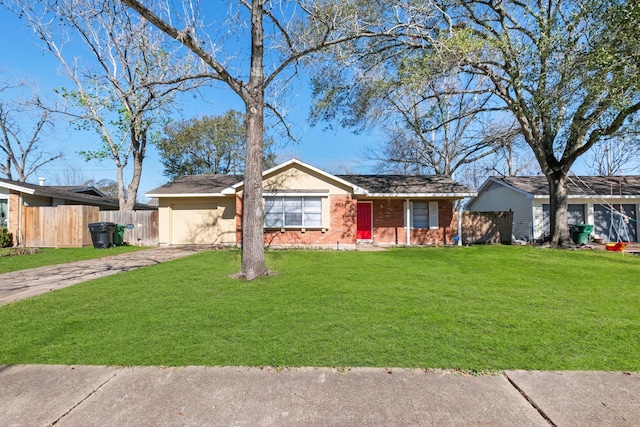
(500, 198)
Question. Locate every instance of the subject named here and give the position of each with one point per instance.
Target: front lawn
(478, 308)
(51, 256)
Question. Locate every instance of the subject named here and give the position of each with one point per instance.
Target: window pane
(433, 215)
(314, 203)
(313, 212)
(312, 219)
(272, 204)
(293, 211)
(293, 204)
(273, 220)
(273, 217)
(4, 213)
(420, 215)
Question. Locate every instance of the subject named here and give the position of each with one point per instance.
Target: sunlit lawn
(478, 308)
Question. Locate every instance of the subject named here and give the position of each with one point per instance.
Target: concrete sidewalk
(42, 395)
(23, 284)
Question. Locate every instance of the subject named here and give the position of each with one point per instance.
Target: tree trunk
(132, 190)
(253, 264)
(139, 143)
(558, 208)
(121, 192)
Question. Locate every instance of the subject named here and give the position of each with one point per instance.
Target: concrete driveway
(23, 284)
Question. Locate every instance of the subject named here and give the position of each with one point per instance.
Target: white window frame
(432, 215)
(303, 214)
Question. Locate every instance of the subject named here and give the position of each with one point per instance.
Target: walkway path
(36, 281)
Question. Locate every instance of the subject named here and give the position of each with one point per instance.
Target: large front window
(288, 211)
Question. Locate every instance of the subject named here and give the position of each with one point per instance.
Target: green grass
(479, 308)
(50, 256)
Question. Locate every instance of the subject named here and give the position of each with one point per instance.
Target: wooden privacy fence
(57, 227)
(486, 227)
(67, 226)
(142, 226)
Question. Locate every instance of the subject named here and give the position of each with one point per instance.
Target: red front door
(363, 231)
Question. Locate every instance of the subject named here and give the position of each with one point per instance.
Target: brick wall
(388, 224)
(341, 230)
(14, 215)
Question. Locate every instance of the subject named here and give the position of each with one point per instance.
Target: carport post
(408, 221)
(460, 222)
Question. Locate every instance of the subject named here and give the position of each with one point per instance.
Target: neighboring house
(306, 206)
(15, 195)
(610, 204)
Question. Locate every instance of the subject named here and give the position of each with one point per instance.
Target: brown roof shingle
(373, 184)
(198, 184)
(578, 185)
(406, 184)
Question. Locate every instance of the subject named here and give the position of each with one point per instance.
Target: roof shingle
(374, 184)
(578, 185)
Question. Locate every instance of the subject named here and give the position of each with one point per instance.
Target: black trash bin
(102, 234)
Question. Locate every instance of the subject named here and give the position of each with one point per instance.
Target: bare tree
(71, 173)
(435, 123)
(615, 156)
(123, 84)
(23, 125)
(289, 32)
(439, 134)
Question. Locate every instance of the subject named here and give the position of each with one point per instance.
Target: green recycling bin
(580, 233)
(118, 235)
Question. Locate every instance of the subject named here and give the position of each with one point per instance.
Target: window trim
(432, 215)
(302, 196)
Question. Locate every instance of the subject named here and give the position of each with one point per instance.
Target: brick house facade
(307, 207)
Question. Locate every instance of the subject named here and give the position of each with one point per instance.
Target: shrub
(6, 238)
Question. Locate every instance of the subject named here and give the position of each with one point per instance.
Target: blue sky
(22, 57)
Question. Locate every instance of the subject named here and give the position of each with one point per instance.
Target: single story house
(306, 206)
(15, 195)
(610, 204)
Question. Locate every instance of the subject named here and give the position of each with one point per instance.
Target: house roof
(408, 185)
(302, 165)
(77, 194)
(196, 185)
(370, 185)
(91, 190)
(602, 186)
